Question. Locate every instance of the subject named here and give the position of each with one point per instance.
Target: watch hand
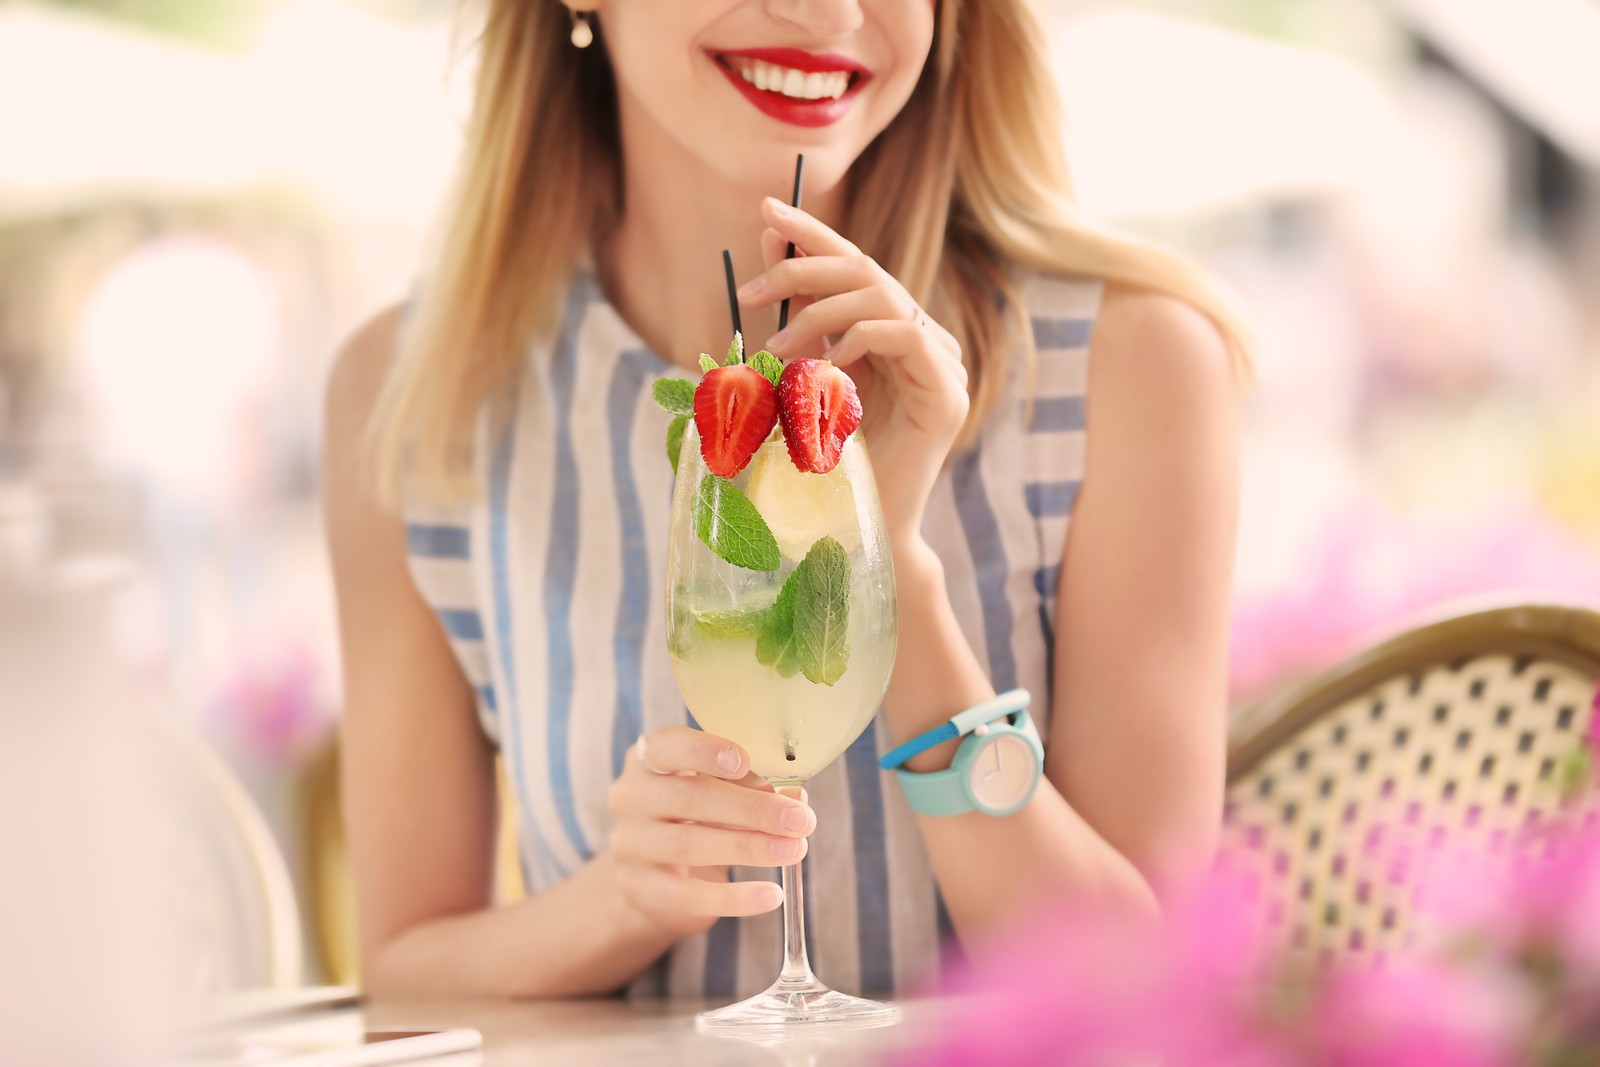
(998, 770)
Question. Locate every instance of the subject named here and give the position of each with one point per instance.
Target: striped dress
(550, 590)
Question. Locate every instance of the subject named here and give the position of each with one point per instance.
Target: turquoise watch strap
(948, 792)
(937, 793)
(1007, 703)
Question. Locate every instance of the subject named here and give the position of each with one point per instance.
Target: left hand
(844, 307)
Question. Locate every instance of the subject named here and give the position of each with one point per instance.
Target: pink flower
(1420, 1013)
(1078, 987)
(1547, 900)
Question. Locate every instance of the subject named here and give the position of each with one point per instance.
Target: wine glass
(781, 631)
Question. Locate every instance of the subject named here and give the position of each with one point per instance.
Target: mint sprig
(775, 640)
(732, 527)
(808, 628)
(768, 364)
(733, 622)
(822, 612)
(674, 395)
(707, 363)
(735, 350)
(675, 430)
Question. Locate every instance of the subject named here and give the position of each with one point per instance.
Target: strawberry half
(734, 411)
(818, 407)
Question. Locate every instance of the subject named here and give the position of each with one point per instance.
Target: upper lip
(796, 59)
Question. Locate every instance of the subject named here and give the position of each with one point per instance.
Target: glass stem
(796, 968)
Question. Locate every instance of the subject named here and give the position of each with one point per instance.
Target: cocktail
(781, 606)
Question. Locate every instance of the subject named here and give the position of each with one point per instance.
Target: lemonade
(791, 725)
(781, 613)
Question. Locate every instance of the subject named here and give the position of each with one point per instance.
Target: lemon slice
(802, 508)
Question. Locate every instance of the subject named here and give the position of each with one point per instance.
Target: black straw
(733, 298)
(799, 179)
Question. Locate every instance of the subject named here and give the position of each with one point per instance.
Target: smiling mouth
(791, 82)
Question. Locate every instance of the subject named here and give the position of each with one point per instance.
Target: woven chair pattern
(1452, 747)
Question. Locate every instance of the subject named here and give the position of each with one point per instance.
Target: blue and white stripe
(548, 590)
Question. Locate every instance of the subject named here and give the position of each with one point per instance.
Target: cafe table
(594, 1033)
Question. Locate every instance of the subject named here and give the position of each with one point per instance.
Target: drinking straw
(799, 177)
(733, 299)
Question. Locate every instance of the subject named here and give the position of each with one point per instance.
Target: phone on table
(334, 1046)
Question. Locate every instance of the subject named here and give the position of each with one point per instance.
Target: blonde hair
(969, 179)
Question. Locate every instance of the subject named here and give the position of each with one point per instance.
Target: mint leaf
(735, 350)
(746, 620)
(675, 430)
(707, 364)
(732, 527)
(675, 395)
(822, 612)
(768, 364)
(775, 639)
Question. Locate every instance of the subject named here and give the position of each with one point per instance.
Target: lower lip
(812, 113)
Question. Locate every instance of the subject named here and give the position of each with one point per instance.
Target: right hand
(685, 809)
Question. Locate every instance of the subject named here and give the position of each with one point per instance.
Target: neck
(662, 264)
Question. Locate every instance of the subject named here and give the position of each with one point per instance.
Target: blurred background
(199, 201)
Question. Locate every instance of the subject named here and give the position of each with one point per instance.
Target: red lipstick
(809, 113)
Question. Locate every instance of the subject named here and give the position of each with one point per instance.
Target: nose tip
(823, 18)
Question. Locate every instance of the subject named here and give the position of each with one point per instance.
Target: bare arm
(1136, 756)
(1135, 763)
(419, 793)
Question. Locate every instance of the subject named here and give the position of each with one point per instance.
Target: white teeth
(797, 84)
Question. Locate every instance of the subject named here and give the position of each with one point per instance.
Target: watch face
(1003, 773)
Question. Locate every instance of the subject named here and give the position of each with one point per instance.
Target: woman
(497, 564)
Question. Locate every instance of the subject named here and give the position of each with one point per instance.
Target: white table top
(602, 1032)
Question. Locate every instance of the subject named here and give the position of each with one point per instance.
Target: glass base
(792, 1008)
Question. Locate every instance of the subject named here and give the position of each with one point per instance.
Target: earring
(582, 31)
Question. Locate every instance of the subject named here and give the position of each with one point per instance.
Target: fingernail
(776, 339)
(639, 748)
(728, 760)
(753, 288)
(795, 818)
(788, 848)
(780, 207)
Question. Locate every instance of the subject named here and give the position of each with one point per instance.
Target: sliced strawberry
(818, 407)
(734, 410)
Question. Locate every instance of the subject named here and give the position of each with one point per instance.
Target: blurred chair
(1455, 734)
(329, 892)
(222, 891)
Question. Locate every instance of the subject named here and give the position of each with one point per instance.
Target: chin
(769, 169)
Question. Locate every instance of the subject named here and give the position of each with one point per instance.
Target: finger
(713, 802)
(671, 749)
(914, 358)
(834, 315)
(813, 276)
(683, 844)
(667, 891)
(755, 781)
(774, 247)
(806, 231)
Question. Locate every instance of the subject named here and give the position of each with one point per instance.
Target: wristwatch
(995, 770)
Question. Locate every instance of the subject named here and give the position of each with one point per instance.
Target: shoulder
(1159, 360)
(350, 396)
(358, 372)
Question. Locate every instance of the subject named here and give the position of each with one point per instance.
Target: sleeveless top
(550, 590)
